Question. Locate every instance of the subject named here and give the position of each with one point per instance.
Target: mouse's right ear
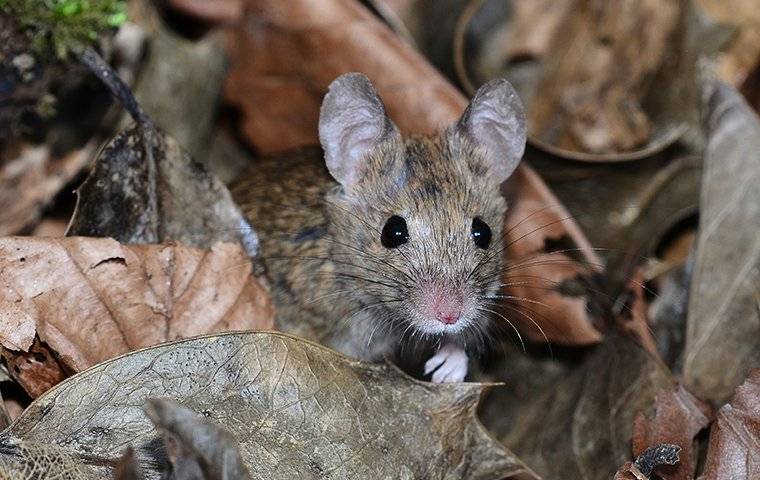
(352, 122)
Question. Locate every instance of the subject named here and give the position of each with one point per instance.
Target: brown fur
(322, 249)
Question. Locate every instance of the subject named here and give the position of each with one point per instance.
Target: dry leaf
(287, 53)
(297, 410)
(723, 327)
(197, 447)
(735, 435)
(580, 425)
(92, 299)
(677, 419)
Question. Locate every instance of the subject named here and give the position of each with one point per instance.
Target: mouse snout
(443, 305)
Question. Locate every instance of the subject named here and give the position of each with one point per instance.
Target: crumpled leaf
(735, 435)
(280, 71)
(723, 325)
(91, 299)
(197, 447)
(580, 425)
(297, 410)
(677, 418)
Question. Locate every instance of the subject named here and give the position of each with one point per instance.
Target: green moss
(65, 27)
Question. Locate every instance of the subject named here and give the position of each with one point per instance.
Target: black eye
(394, 233)
(481, 233)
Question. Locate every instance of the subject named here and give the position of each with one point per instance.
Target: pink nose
(448, 317)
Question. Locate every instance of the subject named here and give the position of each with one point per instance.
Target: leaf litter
(268, 405)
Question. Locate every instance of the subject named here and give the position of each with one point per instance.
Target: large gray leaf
(298, 410)
(723, 333)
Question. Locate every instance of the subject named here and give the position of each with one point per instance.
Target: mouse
(377, 239)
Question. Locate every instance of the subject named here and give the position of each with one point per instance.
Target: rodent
(389, 238)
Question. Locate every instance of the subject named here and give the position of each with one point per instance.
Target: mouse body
(376, 240)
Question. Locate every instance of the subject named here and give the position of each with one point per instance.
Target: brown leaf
(35, 367)
(723, 326)
(735, 435)
(297, 410)
(92, 299)
(580, 425)
(286, 55)
(677, 419)
(197, 447)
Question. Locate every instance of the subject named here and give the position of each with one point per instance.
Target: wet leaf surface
(92, 299)
(723, 332)
(297, 410)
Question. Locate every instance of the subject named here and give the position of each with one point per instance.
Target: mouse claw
(448, 365)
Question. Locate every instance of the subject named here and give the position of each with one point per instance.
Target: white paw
(448, 365)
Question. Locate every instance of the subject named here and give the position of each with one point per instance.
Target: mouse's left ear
(495, 120)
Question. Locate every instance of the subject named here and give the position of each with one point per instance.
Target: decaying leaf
(145, 189)
(678, 417)
(735, 435)
(92, 299)
(197, 447)
(723, 327)
(286, 54)
(20, 460)
(580, 425)
(297, 410)
(177, 199)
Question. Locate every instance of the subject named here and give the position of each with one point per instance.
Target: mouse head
(417, 223)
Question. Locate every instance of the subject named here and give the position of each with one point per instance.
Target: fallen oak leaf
(92, 299)
(285, 54)
(297, 410)
(734, 437)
